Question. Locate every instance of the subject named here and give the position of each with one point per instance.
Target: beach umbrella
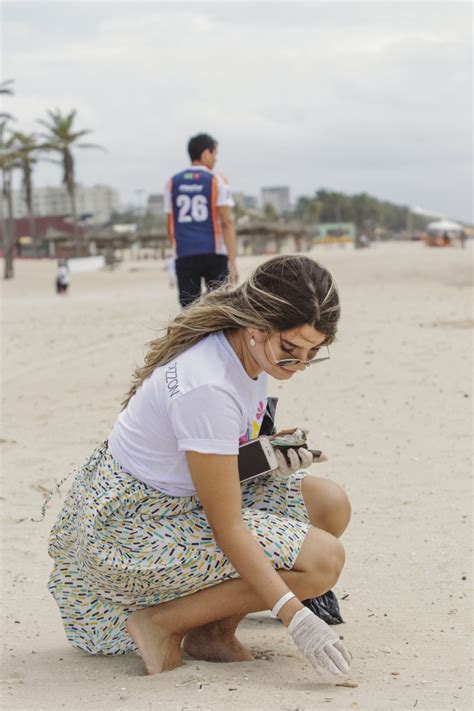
(445, 226)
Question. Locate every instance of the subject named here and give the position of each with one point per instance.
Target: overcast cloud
(371, 97)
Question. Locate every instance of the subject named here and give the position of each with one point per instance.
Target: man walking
(200, 222)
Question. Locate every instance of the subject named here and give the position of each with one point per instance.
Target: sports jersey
(191, 201)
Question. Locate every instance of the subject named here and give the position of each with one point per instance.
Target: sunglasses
(297, 361)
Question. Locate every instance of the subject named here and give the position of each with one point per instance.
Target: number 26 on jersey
(193, 208)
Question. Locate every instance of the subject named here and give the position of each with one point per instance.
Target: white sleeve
(167, 198)
(224, 193)
(207, 420)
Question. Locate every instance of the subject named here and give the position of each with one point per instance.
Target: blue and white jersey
(191, 201)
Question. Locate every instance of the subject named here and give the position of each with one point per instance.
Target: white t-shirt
(63, 275)
(224, 193)
(202, 401)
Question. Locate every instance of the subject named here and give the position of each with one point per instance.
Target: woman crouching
(158, 546)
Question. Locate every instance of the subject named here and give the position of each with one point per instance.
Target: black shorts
(190, 271)
(60, 287)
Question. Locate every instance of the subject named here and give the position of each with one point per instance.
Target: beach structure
(262, 237)
(335, 233)
(442, 233)
(47, 228)
(253, 238)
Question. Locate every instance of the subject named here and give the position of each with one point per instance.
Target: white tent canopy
(445, 226)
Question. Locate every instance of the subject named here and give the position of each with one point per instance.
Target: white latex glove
(320, 645)
(299, 459)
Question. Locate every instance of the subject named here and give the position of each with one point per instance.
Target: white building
(99, 201)
(278, 198)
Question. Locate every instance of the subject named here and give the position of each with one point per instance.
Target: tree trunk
(31, 220)
(7, 226)
(3, 219)
(28, 186)
(72, 197)
(68, 166)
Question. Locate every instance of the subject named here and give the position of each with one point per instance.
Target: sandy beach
(393, 411)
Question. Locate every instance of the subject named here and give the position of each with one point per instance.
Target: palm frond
(78, 134)
(91, 145)
(51, 160)
(5, 87)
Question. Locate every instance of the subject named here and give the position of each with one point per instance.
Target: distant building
(246, 202)
(156, 204)
(46, 228)
(278, 198)
(98, 201)
(48, 224)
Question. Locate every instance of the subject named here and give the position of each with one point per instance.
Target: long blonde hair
(282, 293)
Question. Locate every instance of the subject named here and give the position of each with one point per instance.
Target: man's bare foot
(160, 650)
(212, 644)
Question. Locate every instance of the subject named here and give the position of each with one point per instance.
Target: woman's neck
(238, 342)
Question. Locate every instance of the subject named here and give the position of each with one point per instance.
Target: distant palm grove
(365, 211)
(19, 152)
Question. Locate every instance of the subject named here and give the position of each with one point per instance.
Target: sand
(392, 409)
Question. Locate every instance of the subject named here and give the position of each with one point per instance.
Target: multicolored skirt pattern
(119, 545)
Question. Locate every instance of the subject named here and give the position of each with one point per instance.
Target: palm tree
(60, 138)
(26, 146)
(6, 88)
(8, 161)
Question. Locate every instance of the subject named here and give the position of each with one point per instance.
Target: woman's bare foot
(212, 643)
(160, 649)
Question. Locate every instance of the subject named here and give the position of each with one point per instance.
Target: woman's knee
(327, 503)
(322, 557)
(331, 559)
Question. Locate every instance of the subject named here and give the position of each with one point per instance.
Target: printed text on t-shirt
(171, 377)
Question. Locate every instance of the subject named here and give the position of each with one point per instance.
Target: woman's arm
(216, 479)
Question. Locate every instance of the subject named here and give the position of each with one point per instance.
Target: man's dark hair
(198, 144)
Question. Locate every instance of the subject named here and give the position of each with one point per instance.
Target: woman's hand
(320, 645)
(291, 458)
(293, 461)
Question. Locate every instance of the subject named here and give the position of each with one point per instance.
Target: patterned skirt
(119, 545)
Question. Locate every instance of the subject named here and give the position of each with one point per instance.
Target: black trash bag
(267, 427)
(326, 606)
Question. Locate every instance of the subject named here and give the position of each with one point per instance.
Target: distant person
(62, 277)
(200, 223)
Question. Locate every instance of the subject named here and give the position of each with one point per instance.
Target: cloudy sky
(350, 96)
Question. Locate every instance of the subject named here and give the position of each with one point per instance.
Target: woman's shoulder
(203, 364)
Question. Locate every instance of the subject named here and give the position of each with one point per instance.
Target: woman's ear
(257, 335)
